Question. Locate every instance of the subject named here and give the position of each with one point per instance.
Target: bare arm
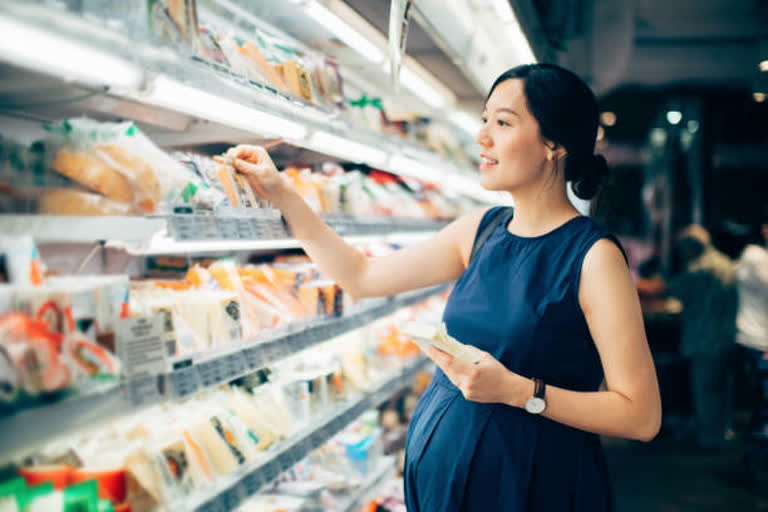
(439, 259)
(631, 406)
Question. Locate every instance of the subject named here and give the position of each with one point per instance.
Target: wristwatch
(536, 404)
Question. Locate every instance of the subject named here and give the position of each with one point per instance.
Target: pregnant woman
(544, 297)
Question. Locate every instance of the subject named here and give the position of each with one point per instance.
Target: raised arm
(439, 259)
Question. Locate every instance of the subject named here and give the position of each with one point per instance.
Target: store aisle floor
(675, 476)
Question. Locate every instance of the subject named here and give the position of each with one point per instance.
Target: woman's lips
(487, 163)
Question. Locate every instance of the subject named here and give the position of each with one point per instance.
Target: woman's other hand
(486, 381)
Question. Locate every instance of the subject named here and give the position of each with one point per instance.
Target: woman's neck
(541, 212)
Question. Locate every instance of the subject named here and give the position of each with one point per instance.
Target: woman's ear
(554, 151)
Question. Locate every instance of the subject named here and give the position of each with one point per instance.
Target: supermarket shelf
(181, 234)
(387, 469)
(55, 228)
(236, 488)
(22, 431)
(179, 92)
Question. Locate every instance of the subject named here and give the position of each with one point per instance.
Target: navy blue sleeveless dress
(517, 300)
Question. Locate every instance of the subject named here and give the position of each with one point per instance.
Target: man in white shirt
(752, 334)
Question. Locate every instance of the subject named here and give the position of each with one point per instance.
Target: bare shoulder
(604, 274)
(604, 253)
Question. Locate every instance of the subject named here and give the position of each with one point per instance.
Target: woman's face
(512, 151)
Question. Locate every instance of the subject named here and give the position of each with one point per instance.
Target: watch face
(535, 405)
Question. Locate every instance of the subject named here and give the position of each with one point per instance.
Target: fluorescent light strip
(409, 167)
(41, 50)
(420, 87)
(343, 31)
(345, 148)
(520, 43)
(169, 93)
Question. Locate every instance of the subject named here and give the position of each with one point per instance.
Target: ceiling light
(674, 116)
(693, 126)
(169, 93)
(764, 65)
(759, 96)
(608, 118)
(44, 51)
(344, 148)
(520, 44)
(468, 123)
(344, 32)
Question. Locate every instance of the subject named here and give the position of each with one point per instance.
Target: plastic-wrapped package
(118, 161)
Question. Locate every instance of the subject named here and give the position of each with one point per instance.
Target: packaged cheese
(424, 334)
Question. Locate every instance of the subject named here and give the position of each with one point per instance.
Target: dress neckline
(544, 235)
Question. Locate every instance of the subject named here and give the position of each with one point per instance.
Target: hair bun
(592, 169)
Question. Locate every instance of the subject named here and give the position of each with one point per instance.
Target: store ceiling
(614, 43)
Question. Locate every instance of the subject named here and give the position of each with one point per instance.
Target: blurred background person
(752, 335)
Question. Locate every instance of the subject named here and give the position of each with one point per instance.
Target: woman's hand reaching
(254, 163)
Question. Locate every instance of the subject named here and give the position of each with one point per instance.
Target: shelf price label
(206, 227)
(146, 390)
(228, 228)
(210, 372)
(253, 357)
(183, 227)
(244, 229)
(234, 365)
(184, 381)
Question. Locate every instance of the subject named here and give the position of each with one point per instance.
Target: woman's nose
(483, 139)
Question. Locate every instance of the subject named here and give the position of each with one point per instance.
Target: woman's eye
(502, 123)
(483, 120)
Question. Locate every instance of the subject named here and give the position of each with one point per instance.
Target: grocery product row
(72, 338)
(222, 446)
(84, 167)
(210, 75)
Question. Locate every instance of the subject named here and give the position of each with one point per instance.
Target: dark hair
(566, 110)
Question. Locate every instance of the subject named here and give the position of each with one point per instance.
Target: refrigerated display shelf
(236, 488)
(195, 232)
(386, 469)
(55, 228)
(144, 75)
(25, 429)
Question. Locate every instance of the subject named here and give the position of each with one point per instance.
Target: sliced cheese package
(424, 335)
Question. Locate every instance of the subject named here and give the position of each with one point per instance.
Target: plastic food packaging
(423, 335)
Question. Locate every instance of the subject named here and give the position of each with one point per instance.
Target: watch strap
(539, 389)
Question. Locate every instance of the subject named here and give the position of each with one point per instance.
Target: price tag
(146, 390)
(140, 345)
(228, 228)
(183, 227)
(206, 227)
(236, 364)
(252, 357)
(251, 483)
(184, 381)
(260, 230)
(210, 372)
(244, 228)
